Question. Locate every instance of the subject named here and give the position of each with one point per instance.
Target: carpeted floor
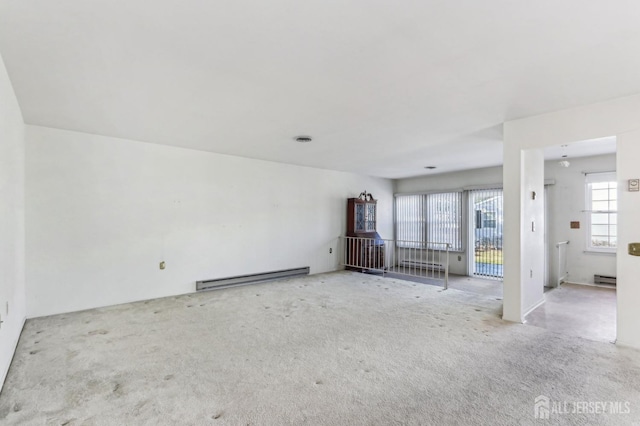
(483, 286)
(331, 349)
(578, 310)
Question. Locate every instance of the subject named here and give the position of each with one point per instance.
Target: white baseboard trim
(610, 286)
(533, 307)
(5, 371)
(633, 345)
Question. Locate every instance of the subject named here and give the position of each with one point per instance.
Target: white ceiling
(385, 88)
(581, 149)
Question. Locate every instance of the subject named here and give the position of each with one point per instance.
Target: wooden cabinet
(361, 216)
(366, 250)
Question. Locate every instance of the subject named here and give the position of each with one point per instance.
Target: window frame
(424, 226)
(590, 180)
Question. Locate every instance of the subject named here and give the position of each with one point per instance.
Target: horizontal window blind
(429, 218)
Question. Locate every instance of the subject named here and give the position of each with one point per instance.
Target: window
(602, 211)
(485, 219)
(429, 218)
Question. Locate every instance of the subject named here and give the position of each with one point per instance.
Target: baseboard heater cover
(250, 279)
(604, 279)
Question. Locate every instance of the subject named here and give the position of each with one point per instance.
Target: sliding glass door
(486, 228)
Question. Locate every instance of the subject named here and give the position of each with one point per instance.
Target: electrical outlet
(162, 265)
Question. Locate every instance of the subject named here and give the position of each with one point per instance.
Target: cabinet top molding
(365, 196)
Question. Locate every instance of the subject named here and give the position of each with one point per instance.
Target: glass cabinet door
(371, 217)
(360, 218)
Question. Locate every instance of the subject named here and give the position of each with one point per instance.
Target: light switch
(634, 249)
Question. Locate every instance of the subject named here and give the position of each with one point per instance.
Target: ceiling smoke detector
(303, 139)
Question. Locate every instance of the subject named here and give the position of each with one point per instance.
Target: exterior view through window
(602, 211)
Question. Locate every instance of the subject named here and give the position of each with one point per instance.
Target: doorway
(486, 230)
(581, 194)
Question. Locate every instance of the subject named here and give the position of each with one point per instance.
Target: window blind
(429, 218)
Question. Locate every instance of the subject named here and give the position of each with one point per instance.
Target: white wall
(567, 203)
(532, 232)
(628, 267)
(103, 212)
(452, 181)
(12, 276)
(620, 118)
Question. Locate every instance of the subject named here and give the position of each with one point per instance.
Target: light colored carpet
(331, 349)
(482, 286)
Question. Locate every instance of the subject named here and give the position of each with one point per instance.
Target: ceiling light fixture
(564, 162)
(303, 139)
(430, 167)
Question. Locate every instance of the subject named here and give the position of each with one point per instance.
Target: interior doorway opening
(581, 197)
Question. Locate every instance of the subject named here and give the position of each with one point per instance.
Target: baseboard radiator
(430, 266)
(603, 279)
(250, 279)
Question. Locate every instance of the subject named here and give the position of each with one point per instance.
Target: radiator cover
(250, 279)
(603, 279)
